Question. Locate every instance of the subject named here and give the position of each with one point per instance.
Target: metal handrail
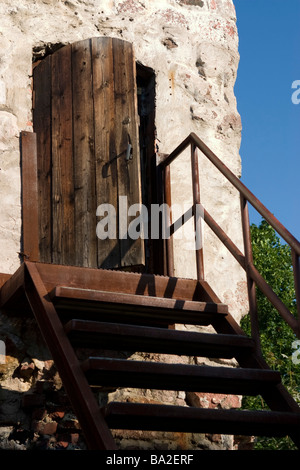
(254, 278)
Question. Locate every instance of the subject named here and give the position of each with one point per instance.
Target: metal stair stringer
(67, 317)
(96, 431)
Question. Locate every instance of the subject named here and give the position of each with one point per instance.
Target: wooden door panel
(108, 250)
(84, 155)
(42, 127)
(126, 133)
(85, 115)
(62, 182)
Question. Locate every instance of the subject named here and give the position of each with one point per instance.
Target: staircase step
(129, 308)
(84, 333)
(162, 376)
(198, 420)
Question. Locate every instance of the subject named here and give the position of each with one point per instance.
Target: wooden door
(86, 122)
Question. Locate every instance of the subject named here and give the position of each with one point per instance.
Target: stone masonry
(192, 45)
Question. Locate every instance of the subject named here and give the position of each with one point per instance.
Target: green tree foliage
(273, 260)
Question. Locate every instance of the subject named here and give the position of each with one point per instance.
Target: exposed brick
(130, 6)
(172, 17)
(57, 415)
(198, 3)
(43, 428)
(213, 400)
(50, 428)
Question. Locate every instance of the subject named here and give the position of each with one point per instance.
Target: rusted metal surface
(254, 277)
(194, 139)
(36, 281)
(57, 294)
(156, 340)
(3, 278)
(163, 376)
(296, 268)
(120, 282)
(250, 283)
(167, 223)
(197, 219)
(199, 420)
(97, 433)
(253, 273)
(126, 308)
(13, 289)
(61, 292)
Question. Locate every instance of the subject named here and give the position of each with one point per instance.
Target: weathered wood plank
(106, 163)
(42, 128)
(62, 165)
(126, 126)
(86, 115)
(30, 197)
(83, 155)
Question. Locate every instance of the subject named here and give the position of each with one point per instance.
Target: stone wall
(192, 45)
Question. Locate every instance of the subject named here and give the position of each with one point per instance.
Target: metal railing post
(196, 202)
(169, 239)
(250, 282)
(254, 278)
(296, 269)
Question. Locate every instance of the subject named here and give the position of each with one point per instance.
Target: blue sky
(269, 47)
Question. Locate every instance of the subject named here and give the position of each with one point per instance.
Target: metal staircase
(123, 311)
(71, 312)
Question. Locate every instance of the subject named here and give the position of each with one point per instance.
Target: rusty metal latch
(129, 152)
(129, 149)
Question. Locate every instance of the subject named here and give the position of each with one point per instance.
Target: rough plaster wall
(193, 47)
